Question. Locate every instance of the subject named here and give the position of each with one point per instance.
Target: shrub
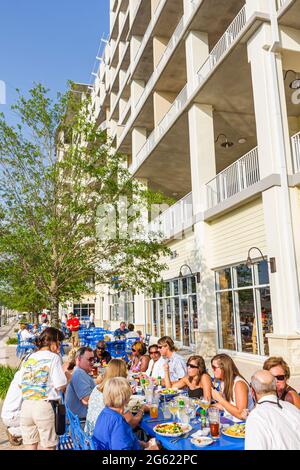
(6, 375)
(12, 341)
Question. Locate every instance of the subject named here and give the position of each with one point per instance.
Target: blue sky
(49, 41)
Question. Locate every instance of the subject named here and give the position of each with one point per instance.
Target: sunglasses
(192, 366)
(100, 348)
(280, 378)
(133, 350)
(215, 367)
(91, 360)
(159, 347)
(154, 352)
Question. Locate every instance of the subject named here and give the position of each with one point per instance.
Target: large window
(83, 310)
(121, 307)
(244, 308)
(173, 311)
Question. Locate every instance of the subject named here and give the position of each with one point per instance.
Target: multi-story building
(203, 97)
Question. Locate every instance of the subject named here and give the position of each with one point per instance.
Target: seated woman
(281, 371)
(139, 360)
(112, 432)
(197, 380)
(235, 396)
(115, 368)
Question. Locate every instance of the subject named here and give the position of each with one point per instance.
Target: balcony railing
(223, 45)
(296, 152)
(240, 175)
(175, 219)
(160, 129)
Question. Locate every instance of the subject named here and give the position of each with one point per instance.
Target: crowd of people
(270, 406)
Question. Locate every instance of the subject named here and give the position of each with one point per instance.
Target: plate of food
(168, 393)
(237, 431)
(172, 429)
(202, 441)
(135, 404)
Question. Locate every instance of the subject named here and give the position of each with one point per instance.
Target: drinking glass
(173, 407)
(214, 422)
(149, 395)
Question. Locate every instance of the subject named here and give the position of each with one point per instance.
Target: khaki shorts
(37, 423)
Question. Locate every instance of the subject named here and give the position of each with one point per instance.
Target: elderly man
(82, 384)
(122, 331)
(273, 424)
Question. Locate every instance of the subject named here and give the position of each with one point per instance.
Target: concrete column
(122, 46)
(137, 87)
(139, 312)
(132, 9)
(135, 44)
(159, 47)
(203, 168)
(162, 102)
(139, 137)
(122, 74)
(122, 15)
(197, 51)
(275, 157)
(154, 5)
(252, 6)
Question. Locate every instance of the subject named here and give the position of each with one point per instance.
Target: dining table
(183, 444)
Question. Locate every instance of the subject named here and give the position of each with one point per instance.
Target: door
(185, 315)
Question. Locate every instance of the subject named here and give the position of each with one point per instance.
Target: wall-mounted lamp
(227, 144)
(193, 274)
(271, 261)
(295, 84)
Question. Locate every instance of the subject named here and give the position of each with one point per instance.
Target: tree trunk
(54, 313)
(36, 317)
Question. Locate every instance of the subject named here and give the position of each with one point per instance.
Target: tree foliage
(70, 209)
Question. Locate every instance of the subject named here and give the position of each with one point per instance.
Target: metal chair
(147, 340)
(24, 347)
(81, 440)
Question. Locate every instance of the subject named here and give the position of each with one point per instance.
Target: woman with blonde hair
(281, 371)
(115, 368)
(197, 380)
(235, 395)
(139, 360)
(112, 432)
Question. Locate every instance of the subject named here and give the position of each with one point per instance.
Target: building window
(173, 311)
(121, 307)
(83, 311)
(244, 308)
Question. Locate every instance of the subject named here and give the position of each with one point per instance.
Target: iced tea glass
(214, 422)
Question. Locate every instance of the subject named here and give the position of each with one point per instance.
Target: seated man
(102, 356)
(122, 331)
(81, 384)
(273, 424)
(11, 411)
(131, 333)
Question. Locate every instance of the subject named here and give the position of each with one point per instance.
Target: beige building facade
(204, 99)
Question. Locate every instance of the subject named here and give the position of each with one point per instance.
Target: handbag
(60, 417)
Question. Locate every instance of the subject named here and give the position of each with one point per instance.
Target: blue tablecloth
(222, 443)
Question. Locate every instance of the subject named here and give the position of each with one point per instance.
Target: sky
(48, 41)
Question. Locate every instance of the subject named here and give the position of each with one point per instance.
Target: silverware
(154, 420)
(184, 436)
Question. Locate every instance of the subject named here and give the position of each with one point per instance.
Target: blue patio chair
(24, 347)
(81, 440)
(118, 350)
(129, 342)
(65, 443)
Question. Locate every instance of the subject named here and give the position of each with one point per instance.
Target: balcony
(296, 152)
(240, 175)
(221, 48)
(175, 219)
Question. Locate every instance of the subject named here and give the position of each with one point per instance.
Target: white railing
(238, 176)
(296, 152)
(280, 3)
(154, 137)
(223, 45)
(175, 219)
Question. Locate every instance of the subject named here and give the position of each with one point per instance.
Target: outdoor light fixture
(295, 84)
(187, 266)
(225, 144)
(271, 261)
(242, 140)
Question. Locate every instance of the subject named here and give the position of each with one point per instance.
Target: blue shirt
(80, 386)
(120, 332)
(112, 432)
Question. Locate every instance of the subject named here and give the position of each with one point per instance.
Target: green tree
(70, 209)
